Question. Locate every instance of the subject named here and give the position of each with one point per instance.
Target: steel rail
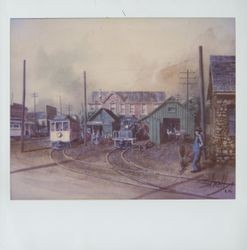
(156, 187)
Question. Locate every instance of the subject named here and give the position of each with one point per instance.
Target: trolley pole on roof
(85, 110)
(203, 126)
(23, 106)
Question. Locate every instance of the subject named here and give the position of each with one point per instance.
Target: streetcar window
(58, 126)
(130, 134)
(65, 126)
(15, 125)
(52, 126)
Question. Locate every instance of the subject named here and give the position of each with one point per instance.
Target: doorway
(168, 128)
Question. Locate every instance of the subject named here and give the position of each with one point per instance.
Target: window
(15, 125)
(58, 126)
(92, 108)
(231, 120)
(171, 109)
(65, 126)
(113, 107)
(144, 109)
(122, 111)
(52, 126)
(132, 109)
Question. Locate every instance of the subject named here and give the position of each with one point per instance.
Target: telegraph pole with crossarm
(34, 95)
(188, 78)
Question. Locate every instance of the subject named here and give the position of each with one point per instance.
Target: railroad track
(123, 166)
(178, 176)
(128, 168)
(123, 170)
(90, 169)
(222, 185)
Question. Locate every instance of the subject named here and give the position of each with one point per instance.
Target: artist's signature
(219, 182)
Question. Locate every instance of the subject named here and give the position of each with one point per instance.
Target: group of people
(173, 133)
(197, 149)
(95, 137)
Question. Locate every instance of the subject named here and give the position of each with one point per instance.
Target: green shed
(105, 121)
(170, 115)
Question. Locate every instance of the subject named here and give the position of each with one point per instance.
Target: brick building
(221, 97)
(138, 103)
(16, 111)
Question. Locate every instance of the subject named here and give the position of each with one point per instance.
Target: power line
(188, 80)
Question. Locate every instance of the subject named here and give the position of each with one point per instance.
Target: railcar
(15, 129)
(63, 131)
(126, 136)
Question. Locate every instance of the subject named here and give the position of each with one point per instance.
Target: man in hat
(197, 150)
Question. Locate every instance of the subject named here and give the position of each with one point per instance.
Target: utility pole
(203, 125)
(85, 109)
(60, 105)
(82, 108)
(34, 95)
(23, 106)
(69, 109)
(187, 80)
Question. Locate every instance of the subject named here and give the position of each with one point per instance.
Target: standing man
(197, 150)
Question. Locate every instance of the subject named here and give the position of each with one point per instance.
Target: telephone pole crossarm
(188, 81)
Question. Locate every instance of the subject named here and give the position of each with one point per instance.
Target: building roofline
(106, 110)
(169, 100)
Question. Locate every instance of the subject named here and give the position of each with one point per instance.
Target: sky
(144, 54)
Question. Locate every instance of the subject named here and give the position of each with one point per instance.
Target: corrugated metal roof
(222, 73)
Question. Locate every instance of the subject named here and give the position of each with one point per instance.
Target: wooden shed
(171, 114)
(105, 121)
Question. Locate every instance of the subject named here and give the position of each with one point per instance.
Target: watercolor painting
(122, 108)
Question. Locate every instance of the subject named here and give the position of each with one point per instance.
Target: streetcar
(64, 130)
(15, 129)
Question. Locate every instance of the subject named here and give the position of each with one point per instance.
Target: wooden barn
(105, 121)
(170, 115)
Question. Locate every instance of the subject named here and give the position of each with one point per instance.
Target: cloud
(117, 54)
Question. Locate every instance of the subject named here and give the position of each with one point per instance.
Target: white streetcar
(64, 130)
(15, 128)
